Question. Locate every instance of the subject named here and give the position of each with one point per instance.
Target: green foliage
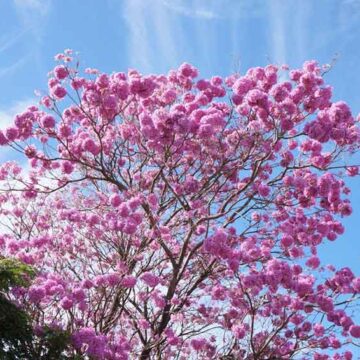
(14, 273)
(17, 340)
(19, 343)
(52, 344)
(15, 331)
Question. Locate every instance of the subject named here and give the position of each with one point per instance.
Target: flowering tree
(174, 218)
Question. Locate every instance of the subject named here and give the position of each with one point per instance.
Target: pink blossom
(59, 92)
(95, 344)
(128, 281)
(3, 139)
(11, 133)
(239, 331)
(188, 70)
(90, 146)
(355, 331)
(67, 167)
(78, 294)
(198, 344)
(242, 86)
(352, 170)
(48, 121)
(113, 279)
(66, 303)
(150, 279)
(115, 200)
(313, 262)
(36, 294)
(60, 72)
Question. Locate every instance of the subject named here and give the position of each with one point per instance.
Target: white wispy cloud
(168, 34)
(301, 29)
(30, 9)
(154, 35)
(10, 39)
(158, 40)
(32, 19)
(138, 46)
(236, 40)
(215, 9)
(32, 15)
(10, 69)
(277, 17)
(191, 11)
(351, 2)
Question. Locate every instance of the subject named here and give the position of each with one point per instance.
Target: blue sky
(218, 36)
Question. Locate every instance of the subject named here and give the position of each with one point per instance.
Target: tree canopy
(174, 217)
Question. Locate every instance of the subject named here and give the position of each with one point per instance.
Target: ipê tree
(175, 218)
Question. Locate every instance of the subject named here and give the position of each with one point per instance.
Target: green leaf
(14, 273)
